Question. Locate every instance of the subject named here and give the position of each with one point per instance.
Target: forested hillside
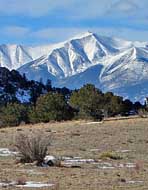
(25, 101)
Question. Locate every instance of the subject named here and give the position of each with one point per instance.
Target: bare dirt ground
(119, 148)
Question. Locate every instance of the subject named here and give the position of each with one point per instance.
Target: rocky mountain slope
(109, 63)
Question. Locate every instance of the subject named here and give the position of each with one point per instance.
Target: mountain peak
(82, 35)
(110, 63)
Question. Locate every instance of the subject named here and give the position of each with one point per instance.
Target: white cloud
(37, 8)
(15, 31)
(123, 33)
(56, 34)
(61, 34)
(33, 8)
(128, 8)
(74, 9)
(86, 9)
(81, 9)
(125, 8)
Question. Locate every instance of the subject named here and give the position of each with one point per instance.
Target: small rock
(48, 131)
(130, 141)
(123, 180)
(19, 129)
(75, 134)
(51, 161)
(75, 166)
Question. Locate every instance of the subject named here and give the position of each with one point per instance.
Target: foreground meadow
(119, 150)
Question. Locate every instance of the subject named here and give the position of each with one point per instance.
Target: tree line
(61, 104)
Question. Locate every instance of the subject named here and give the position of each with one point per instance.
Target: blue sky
(49, 21)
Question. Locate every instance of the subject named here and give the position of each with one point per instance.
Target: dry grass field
(119, 148)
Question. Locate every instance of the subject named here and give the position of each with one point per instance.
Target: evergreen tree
(113, 105)
(13, 114)
(127, 106)
(88, 101)
(137, 106)
(51, 107)
(48, 85)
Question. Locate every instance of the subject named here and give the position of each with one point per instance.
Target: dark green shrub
(88, 101)
(51, 106)
(13, 114)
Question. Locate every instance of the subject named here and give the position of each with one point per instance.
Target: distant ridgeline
(29, 101)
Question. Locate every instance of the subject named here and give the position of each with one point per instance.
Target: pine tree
(51, 106)
(88, 101)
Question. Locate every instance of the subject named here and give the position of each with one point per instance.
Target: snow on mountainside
(14, 56)
(111, 64)
(77, 55)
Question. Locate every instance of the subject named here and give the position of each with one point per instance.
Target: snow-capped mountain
(111, 64)
(14, 56)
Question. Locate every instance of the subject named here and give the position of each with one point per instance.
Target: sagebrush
(32, 146)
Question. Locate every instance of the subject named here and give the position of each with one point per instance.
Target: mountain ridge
(121, 63)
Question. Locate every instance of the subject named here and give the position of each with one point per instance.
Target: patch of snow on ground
(94, 122)
(7, 152)
(123, 151)
(29, 184)
(32, 184)
(107, 165)
(95, 150)
(76, 160)
(133, 182)
(23, 95)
